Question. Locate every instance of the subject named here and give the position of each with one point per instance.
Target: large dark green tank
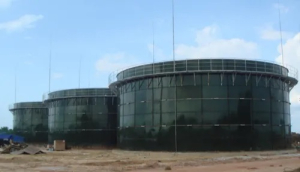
(82, 116)
(204, 105)
(30, 120)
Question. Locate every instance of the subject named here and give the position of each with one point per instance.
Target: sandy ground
(118, 160)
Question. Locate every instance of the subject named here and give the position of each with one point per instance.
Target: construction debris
(19, 148)
(29, 150)
(7, 149)
(50, 148)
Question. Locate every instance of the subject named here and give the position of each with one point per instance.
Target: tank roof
(79, 92)
(26, 105)
(258, 67)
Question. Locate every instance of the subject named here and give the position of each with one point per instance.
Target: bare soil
(134, 161)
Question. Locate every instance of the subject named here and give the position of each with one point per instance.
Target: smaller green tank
(30, 120)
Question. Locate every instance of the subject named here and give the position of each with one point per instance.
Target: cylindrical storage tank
(30, 120)
(204, 105)
(82, 116)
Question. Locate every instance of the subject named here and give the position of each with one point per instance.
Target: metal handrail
(209, 64)
(28, 105)
(77, 93)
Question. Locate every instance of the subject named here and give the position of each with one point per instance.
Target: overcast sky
(112, 34)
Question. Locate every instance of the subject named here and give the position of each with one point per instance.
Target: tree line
(6, 130)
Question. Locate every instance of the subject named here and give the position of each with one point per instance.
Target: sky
(99, 37)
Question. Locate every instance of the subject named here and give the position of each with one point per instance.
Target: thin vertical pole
(16, 84)
(153, 44)
(50, 61)
(50, 58)
(280, 36)
(173, 35)
(152, 82)
(89, 76)
(79, 71)
(175, 107)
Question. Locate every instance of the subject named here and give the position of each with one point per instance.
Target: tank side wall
(213, 112)
(32, 124)
(83, 121)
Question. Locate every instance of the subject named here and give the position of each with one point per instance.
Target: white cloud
(159, 55)
(5, 3)
(291, 51)
(282, 8)
(109, 65)
(291, 54)
(295, 96)
(57, 75)
(24, 22)
(269, 33)
(113, 62)
(208, 45)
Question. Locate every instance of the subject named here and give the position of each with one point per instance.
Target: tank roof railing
(28, 105)
(78, 93)
(254, 65)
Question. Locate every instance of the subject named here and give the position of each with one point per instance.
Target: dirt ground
(119, 160)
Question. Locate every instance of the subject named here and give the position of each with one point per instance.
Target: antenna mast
(50, 58)
(89, 77)
(153, 41)
(16, 84)
(153, 47)
(173, 33)
(280, 36)
(79, 71)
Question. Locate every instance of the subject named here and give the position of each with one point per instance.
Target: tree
(6, 130)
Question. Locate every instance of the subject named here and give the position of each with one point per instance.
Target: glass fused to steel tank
(30, 120)
(204, 105)
(82, 116)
